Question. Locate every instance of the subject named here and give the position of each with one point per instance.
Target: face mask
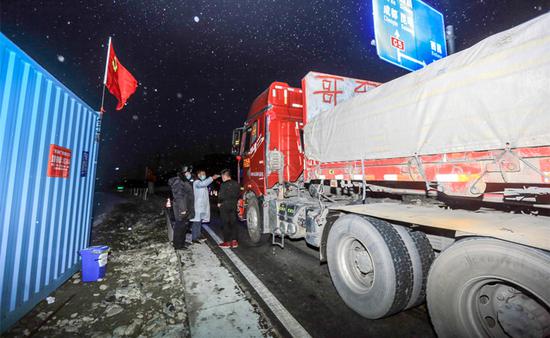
(202, 177)
(188, 176)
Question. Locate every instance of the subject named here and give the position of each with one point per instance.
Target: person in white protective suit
(202, 203)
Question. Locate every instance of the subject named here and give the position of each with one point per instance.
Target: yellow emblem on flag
(115, 64)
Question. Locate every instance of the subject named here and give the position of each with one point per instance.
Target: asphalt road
(303, 285)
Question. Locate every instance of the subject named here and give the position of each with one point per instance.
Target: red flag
(120, 82)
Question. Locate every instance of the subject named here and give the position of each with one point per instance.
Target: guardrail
(140, 192)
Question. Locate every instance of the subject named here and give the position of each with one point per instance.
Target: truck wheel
(254, 222)
(422, 256)
(369, 265)
(485, 287)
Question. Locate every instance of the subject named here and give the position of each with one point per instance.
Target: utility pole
(450, 37)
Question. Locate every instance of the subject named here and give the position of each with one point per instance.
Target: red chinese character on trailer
(330, 89)
(59, 161)
(363, 86)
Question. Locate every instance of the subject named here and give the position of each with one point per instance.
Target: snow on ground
(141, 295)
(132, 225)
(150, 290)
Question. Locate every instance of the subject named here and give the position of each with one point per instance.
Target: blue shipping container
(48, 154)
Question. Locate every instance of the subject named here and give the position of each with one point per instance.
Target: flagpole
(101, 110)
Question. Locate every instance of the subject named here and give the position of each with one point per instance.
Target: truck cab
(274, 124)
(270, 149)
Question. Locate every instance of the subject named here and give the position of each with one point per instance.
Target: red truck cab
(274, 122)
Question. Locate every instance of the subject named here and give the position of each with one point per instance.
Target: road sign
(409, 33)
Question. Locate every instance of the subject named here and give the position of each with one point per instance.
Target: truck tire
(422, 257)
(254, 221)
(484, 287)
(369, 265)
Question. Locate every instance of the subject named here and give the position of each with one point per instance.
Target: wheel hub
(251, 219)
(361, 264)
(506, 311)
(253, 224)
(520, 315)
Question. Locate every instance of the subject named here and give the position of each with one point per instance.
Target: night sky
(201, 63)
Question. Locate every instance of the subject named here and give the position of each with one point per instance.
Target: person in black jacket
(228, 197)
(183, 206)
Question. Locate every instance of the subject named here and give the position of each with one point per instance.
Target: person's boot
(225, 245)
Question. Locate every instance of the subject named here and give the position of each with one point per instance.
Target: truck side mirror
(236, 141)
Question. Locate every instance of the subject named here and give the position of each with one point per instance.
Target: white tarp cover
(496, 92)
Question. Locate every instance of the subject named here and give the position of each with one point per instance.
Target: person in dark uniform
(228, 197)
(183, 206)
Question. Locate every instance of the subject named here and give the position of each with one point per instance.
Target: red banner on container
(59, 161)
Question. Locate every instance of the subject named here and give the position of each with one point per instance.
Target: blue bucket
(94, 262)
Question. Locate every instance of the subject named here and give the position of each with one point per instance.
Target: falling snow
(201, 63)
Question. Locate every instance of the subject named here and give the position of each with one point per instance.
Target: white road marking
(287, 320)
